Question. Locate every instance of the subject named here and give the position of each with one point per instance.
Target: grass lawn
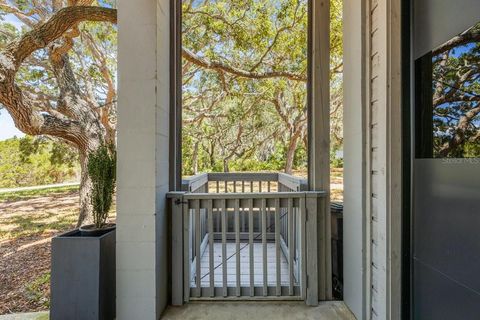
(28, 221)
(29, 194)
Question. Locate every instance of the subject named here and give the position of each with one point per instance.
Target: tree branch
(471, 35)
(219, 66)
(61, 22)
(22, 106)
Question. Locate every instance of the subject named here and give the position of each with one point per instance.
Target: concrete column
(143, 158)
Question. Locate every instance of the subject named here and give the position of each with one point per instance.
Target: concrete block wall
(143, 158)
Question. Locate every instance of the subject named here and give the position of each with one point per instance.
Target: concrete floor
(331, 310)
(43, 315)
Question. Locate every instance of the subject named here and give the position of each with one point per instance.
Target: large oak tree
(52, 86)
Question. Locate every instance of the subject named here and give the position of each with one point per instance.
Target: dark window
(447, 99)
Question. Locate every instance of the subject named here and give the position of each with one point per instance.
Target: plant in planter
(101, 169)
(83, 260)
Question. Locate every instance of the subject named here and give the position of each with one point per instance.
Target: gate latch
(179, 201)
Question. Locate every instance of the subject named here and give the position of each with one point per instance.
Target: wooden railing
(244, 235)
(243, 182)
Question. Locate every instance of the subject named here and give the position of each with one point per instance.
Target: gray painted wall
(143, 126)
(436, 21)
(445, 194)
(354, 164)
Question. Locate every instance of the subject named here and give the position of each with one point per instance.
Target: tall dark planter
(83, 277)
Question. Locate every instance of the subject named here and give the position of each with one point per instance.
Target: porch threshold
(261, 310)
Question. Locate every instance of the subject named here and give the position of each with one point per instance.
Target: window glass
(448, 99)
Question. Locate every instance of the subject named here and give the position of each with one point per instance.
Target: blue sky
(7, 128)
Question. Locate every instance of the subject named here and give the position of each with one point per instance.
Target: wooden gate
(244, 236)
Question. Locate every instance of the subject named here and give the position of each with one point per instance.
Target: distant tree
(31, 161)
(245, 66)
(57, 75)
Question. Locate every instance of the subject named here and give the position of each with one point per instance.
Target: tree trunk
(225, 165)
(86, 208)
(292, 147)
(211, 154)
(195, 158)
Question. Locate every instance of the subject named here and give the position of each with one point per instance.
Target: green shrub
(101, 169)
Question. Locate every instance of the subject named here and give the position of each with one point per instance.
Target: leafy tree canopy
(244, 84)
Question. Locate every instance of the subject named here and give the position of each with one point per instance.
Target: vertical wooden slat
(250, 242)
(218, 186)
(210, 249)
(226, 186)
(224, 247)
(251, 186)
(218, 219)
(198, 271)
(244, 226)
(235, 186)
(311, 210)
(277, 247)
(259, 186)
(187, 256)
(302, 213)
(269, 217)
(242, 217)
(237, 243)
(291, 246)
(268, 186)
(264, 246)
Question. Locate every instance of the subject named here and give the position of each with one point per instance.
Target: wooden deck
(244, 265)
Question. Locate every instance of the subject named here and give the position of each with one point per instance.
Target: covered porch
(200, 240)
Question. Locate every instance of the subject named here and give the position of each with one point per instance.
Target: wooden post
(198, 255)
(319, 136)
(187, 253)
(177, 247)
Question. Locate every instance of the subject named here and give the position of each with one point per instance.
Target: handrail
(243, 176)
(255, 195)
(286, 182)
(193, 183)
(293, 182)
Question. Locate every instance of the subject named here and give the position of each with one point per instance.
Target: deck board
(244, 265)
